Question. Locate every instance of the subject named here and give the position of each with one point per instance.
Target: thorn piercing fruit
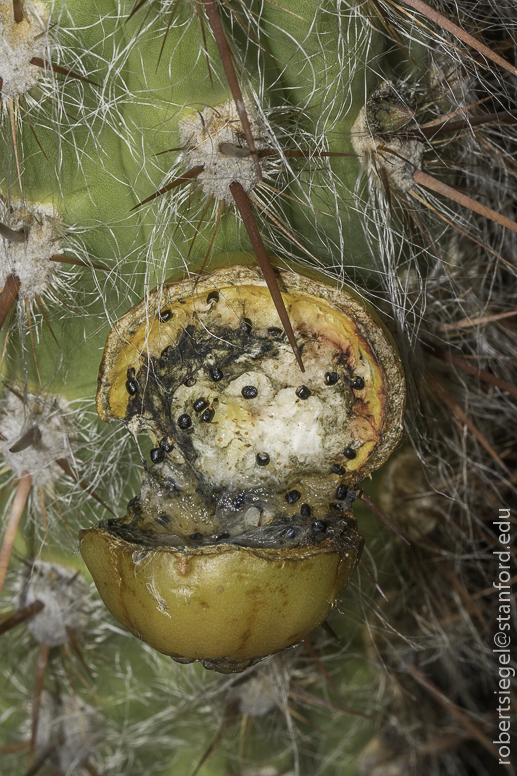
(280, 568)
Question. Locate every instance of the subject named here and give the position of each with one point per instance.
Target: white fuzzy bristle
(30, 261)
(19, 44)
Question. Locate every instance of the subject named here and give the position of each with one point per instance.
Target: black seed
(132, 387)
(163, 520)
(164, 315)
(213, 296)
(338, 506)
(239, 500)
(131, 373)
(190, 381)
(184, 421)
(337, 469)
(303, 392)
(289, 533)
(215, 373)
(249, 392)
(331, 378)
(196, 537)
(246, 325)
(274, 333)
(357, 384)
(157, 455)
(207, 415)
(341, 492)
(349, 452)
(200, 404)
(167, 444)
(319, 526)
(263, 459)
(305, 510)
(293, 496)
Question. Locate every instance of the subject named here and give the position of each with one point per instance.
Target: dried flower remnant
(387, 157)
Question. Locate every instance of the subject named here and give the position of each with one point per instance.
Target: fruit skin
(225, 605)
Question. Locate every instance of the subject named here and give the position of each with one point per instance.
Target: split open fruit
(242, 537)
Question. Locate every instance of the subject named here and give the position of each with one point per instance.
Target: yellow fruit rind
(227, 606)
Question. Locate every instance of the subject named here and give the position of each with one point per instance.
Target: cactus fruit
(149, 147)
(237, 442)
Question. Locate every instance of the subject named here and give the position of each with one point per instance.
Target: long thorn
(22, 615)
(63, 463)
(243, 206)
(471, 369)
(39, 302)
(462, 199)
(8, 296)
(23, 106)
(77, 649)
(449, 706)
(40, 761)
(164, 41)
(229, 69)
(60, 70)
(136, 8)
(461, 231)
(446, 24)
(478, 321)
(501, 117)
(62, 259)
(229, 718)
(20, 499)
(187, 176)
(464, 419)
(198, 227)
(22, 746)
(278, 223)
(372, 506)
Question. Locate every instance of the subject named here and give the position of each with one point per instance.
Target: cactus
(155, 145)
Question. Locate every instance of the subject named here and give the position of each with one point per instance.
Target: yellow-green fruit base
(228, 602)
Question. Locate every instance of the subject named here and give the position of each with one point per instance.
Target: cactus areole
(242, 538)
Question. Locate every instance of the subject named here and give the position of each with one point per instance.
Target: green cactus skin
(94, 147)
